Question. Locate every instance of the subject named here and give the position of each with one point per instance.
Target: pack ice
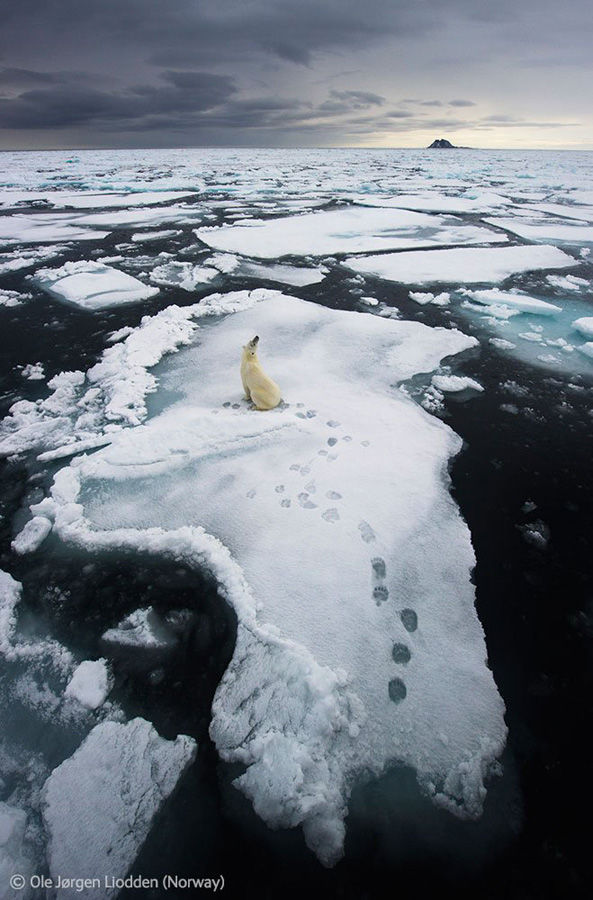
(329, 527)
(100, 803)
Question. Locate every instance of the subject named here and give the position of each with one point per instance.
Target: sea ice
(143, 236)
(514, 301)
(183, 274)
(41, 229)
(99, 804)
(142, 628)
(92, 285)
(15, 260)
(427, 298)
(460, 265)
(346, 487)
(346, 230)
(33, 372)
(538, 230)
(584, 326)
(90, 683)
(455, 383)
(32, 535)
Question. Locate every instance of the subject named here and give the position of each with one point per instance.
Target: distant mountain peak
(443, 144)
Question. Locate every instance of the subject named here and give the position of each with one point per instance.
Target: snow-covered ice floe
(513, 303)
(538, 230)
(99, 804)
(460, 265)
(43, 229)
(90, 683)
(347, 230)
(14, 859)
(328, 525)
(89, 199)
(92, 285)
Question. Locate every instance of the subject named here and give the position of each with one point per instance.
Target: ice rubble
(460, 265)
(92, 285)
(514, 302)
(184, 275)
(347, 230)
(358, 643)
(100, 803)
(32, 535)
(455, 383)
(90, 683)
(14, 260)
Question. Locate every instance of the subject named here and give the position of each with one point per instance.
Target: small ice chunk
(369, 301)
(32, 535)
(90, 683)
(100, 803)
(455, 383)
(425, 298)
(515, 301)
(584, 325)
(142, 628)
(183, 274)
(143, 236)
(567, 282)
(33, 371)
(536, 533)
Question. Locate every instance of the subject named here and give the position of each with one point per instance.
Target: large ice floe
(329, 527)
(100, 803)
(461, 265)
(92, 285)
(346, 230)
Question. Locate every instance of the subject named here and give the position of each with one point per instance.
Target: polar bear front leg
(246, 389)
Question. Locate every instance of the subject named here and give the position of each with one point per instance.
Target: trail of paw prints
(401, 655)
(380, 590)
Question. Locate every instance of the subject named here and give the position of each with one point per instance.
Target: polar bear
(264, 392)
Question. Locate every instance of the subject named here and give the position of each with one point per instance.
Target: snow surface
(460, 265)
(347, 230)
(90, 683)
(92, 285)
(99, 804)
(358, 643)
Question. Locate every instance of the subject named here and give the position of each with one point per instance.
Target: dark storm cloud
(72, 104)
(107, 66)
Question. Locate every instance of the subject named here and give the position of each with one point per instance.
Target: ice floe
(512, 301)
(32, 535)
(584, 326)
(460, 265)
(100, 803)
(92, 285)
(14, 859)
(455, 383)
(360, 552)
(184, 275)
(542, 230)
(346, 230)
(42, 229)
(90, 683)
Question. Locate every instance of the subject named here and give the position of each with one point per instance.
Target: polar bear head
(250, 349)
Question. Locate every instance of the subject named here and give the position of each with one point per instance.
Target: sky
(292, 73)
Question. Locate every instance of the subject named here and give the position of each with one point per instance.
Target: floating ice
(13, 298)
(347, 230)
(92, 285)
(99, 804)
(15, 260)
(142, 628)
(89, 199)
(90, 683)
(32, 535)
(514, 301)
(295, 275)
(455, 383)
(460, 265)
(567, 282)
(33, 372)
(154, 236)
(183, 274)
(584, 325)
(538, 230)
(41, 229)
(427, 298)
(434, 202)
(343, 548)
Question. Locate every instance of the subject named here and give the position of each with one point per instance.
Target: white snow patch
(428, 298)
(100, 803)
